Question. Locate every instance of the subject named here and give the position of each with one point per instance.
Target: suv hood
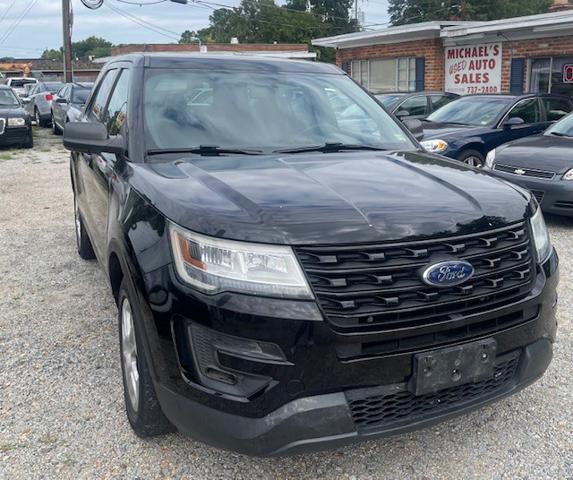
(334, 198)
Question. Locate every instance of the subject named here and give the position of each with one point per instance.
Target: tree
(189, 36)
(90, 47)
(414, 11)
(263, 21)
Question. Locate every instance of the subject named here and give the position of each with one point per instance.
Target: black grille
(379, 287)
(563, 204)
(527, 172)
(384, 407)
(538, 194)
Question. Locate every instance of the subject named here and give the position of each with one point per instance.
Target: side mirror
(92, 137)
(415, 126)
(402, 113)
(61, 100)
(512, 122)
(25, 99)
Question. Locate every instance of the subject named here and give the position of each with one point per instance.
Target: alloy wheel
(129, 354)
(37, 118)
(473, 161)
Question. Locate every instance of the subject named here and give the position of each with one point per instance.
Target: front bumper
(554, 196)
(15, 136)
(328, 421)
(316, 399)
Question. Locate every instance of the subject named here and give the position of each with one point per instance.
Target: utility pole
(67, 26)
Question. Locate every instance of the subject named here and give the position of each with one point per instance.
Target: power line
(17, 22)
(142, 23)
(7, 11)
(142, 4)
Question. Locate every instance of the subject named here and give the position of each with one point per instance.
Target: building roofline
(392, 34)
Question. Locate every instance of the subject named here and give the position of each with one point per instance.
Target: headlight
(540, 236)
(568, 175)
(490, 159)
(16, 122)
(434, 146)
(214, 265)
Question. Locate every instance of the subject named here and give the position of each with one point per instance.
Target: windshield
(190, 108)
(80, 95)
(563, 127)
(389, 101)
(471, 110)
(7, 98)
(21, 83)
(53, 87)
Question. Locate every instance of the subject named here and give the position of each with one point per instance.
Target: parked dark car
(542, 164)
(15, 123)
(285, 283)
(38, 103)
(68, 104)
(416, 104)
(468, 128)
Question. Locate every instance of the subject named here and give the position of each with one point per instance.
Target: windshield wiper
(207, 150)
(559, 134)
(329, 147)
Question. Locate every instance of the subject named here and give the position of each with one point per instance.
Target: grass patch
(6, 156)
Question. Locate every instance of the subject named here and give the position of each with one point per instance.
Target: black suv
(291, 278)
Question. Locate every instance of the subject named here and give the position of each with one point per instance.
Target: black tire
(39, 121)
(146, 417)
(472, 158)
(55, 129)
(30, 142)
(83, 242)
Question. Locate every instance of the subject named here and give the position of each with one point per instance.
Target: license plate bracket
(449, 367)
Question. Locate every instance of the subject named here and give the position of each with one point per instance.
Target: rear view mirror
(512, 122)
(92, 137)
(415, 126)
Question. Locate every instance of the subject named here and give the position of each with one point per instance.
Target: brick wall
(211, 47)
(541, 47)
(431, 49)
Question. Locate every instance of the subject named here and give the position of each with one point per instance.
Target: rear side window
(438, 101)
(556, 108)
(414, 106)
(116, 112)
(527, 110)
(98, 104)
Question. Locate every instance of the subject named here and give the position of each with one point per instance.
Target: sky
(27, 36)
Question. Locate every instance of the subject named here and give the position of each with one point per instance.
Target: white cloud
(42, 28)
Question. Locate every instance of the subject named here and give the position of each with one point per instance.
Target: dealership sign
(568, 73)
(473, 69)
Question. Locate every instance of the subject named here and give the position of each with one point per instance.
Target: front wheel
(85, 249)
(142, 407)
(473, 158)
(55, 129)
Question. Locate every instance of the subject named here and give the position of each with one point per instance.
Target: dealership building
(513, 55)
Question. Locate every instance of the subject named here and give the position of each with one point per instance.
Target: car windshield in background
(389, 101)
(53, 87)
(8, 99)
(471, 110)
(80, 95)
(21, 83)
(189, 108)
(563, 128)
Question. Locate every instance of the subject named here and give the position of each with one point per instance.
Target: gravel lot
(61, 401)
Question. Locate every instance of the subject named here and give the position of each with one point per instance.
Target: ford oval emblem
(448, 274)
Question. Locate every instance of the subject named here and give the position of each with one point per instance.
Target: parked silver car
(18, 84)
(39, 102)
(68, 103)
